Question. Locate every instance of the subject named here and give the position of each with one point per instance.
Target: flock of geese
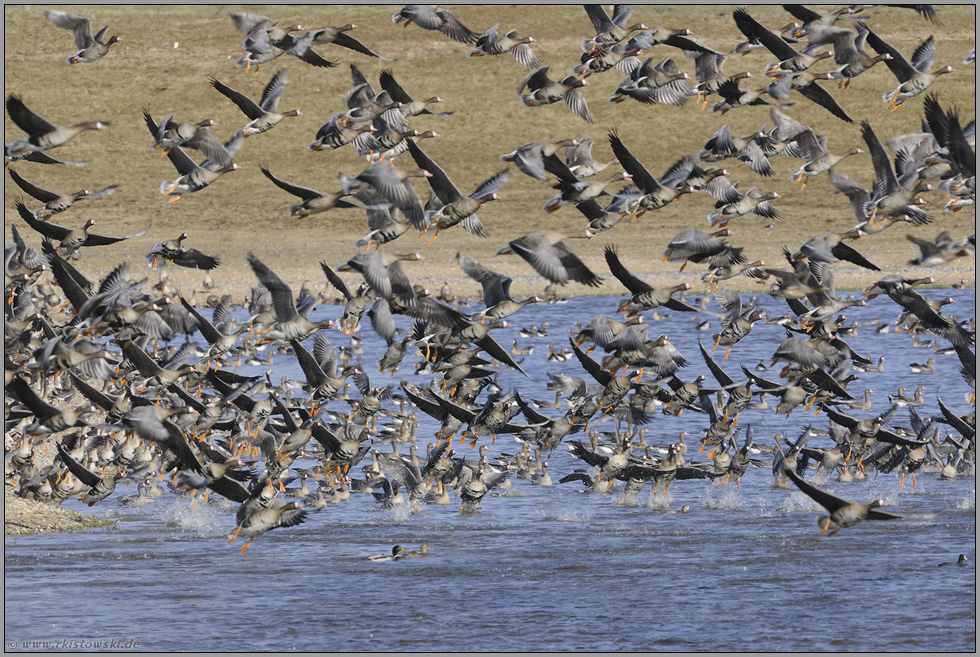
(154, 412)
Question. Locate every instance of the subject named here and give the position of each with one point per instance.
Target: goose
(545, 91)
(918, 368)
(195, 177)
(289, 322)
(264, 40)
(513, 42)
(434, 18)
(546, 252)
(843, 513)
(451, 207)
(314, 202)
(339, 36)
(54, 202)
(409, 106)
(538, 157)
(817, 159)
(169, 133)
(609, 30)
(393, 185)
(496, 291)
(579, 159)
(645, 296)
(174, 251)
(264, 519)
(892, 196)
(90, 48)
(42, 135)
(853, 59)
(338, 131)
(71, 239)
(264, 115)
(648, 192)
(791, 61)
(913, 78)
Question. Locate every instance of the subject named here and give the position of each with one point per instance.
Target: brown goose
(41, 134)
(263, 519)
(264, 115)
(90, 48)
(53, 201)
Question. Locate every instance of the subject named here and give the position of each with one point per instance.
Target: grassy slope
(168, 53)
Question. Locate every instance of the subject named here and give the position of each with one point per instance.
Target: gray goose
(314, 202)
(434, 18)
(849, 52)
(817, 158)
(545, 250)
(289, 322)
(892, 196)
(452, 207)
(518, 45)
(843, 513)
(70, 239)
(265, 114)
(53, 201)
(914, 78)
(170, 133)
(90, 48)
(545, 91)
(609, 30)
(496, 290)
(42, 135)
(539, 157)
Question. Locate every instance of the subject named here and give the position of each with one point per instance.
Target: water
(541, 568)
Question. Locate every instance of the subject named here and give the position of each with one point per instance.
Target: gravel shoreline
(23, 517)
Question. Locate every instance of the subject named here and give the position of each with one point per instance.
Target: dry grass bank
(168, 52)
